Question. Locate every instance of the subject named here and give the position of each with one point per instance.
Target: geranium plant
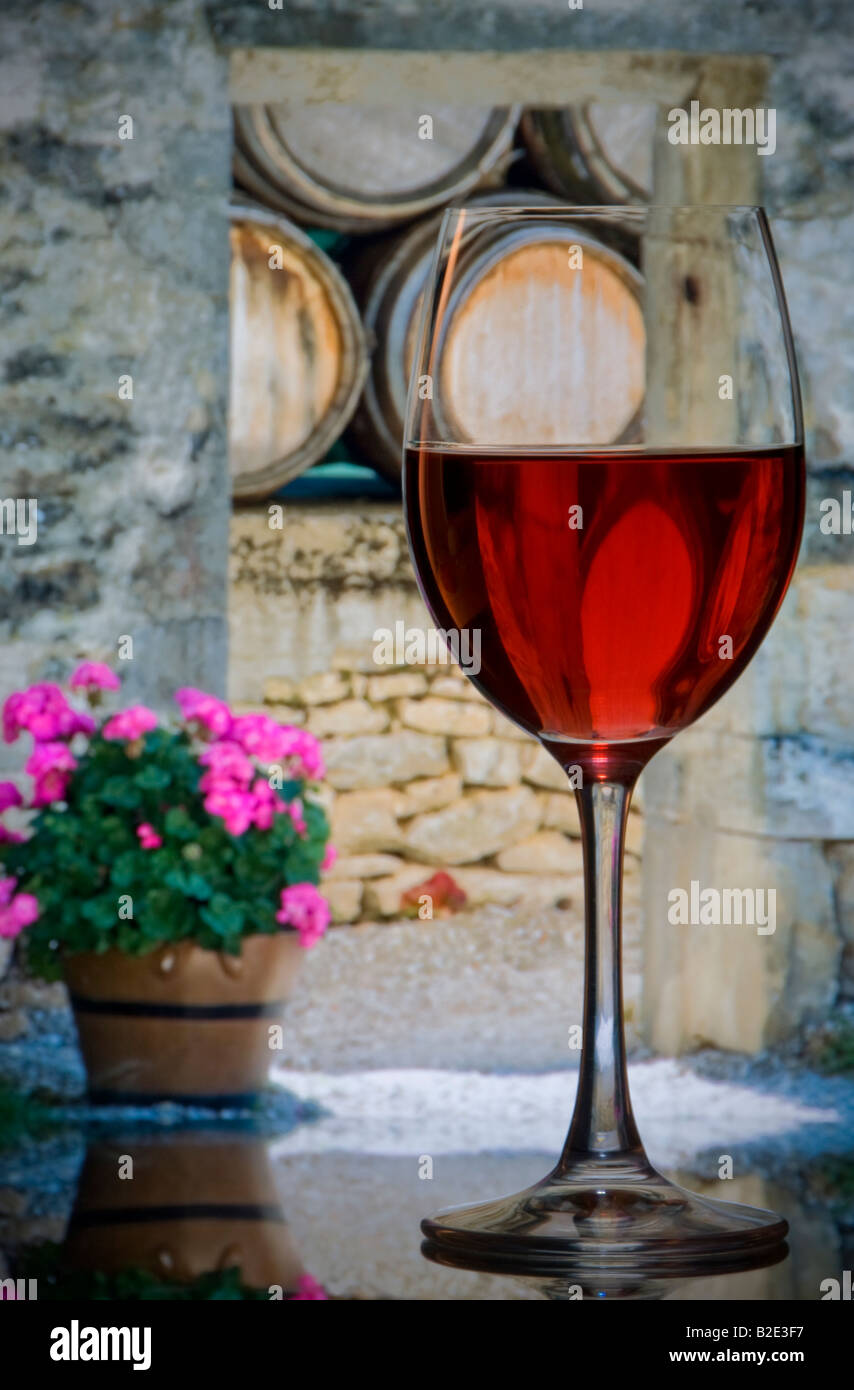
(143, 834)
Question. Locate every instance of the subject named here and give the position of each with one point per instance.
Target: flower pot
(197, 1203)
(181, 1023)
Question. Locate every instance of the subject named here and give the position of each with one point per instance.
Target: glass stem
(602, 1123)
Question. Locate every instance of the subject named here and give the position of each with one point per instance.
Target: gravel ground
(497, 987)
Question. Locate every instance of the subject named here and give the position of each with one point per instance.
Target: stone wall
(426, 776)
(423, 774)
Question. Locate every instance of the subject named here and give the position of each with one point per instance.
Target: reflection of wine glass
(615, 507)
(619, 1284)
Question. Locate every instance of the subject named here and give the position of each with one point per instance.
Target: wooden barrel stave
(384, 174)
(298, 353)
(594, 153)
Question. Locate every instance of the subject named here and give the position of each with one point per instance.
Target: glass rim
(494, 211)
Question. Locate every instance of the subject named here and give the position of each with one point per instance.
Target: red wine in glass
(617, 595)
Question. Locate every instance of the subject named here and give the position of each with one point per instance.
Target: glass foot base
(606, 1214)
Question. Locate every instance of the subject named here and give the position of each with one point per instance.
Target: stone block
(396, 685)
(480, 825)
(279, 690)
(382, 895)
(377, 760)
(493, 886)
(345, 899)
(286, 714)
(325, 688)
(361, 866)
(487, 762)
(540, 769)
(456, 688)
(559, 811)
(435, 716)
(355, 658)
(634, 834)
(547, 852)
(503, 727)
(349, 718)
(430, 794)
(364, 822)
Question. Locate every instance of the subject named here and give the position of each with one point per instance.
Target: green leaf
(120, 791)
(180, 824)
(126, 868)
(222, 915)
(188, 882)
(153, 779)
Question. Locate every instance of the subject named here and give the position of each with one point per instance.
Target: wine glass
(604, 484)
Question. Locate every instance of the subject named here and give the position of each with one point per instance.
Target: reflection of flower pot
(195, 1204)
(181, 1023)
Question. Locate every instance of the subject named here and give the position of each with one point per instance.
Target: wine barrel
(522, 265)
(365, 168)
(595, 153)
(298, 353)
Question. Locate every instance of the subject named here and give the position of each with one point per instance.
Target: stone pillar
(758, 794)
(114, 277)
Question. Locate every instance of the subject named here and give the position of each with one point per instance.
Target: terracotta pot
(196, 1203)
(181, 1023)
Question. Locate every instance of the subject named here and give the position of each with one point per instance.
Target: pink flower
(267, 804)
(148, 836)
(329, 859)
(226, 762)
(9, 795)
(302, 750)
(304, 908)
(295, 749)
(45, 712)
(83, 724)
(94, 675)
(10, 837)
(130, 724)
(305, 751)
(259, 735)
(294, 810)
(7, 888)
(235, 807)
(17, 913)
(51, 766)
(207, 710)
(308, 1288)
